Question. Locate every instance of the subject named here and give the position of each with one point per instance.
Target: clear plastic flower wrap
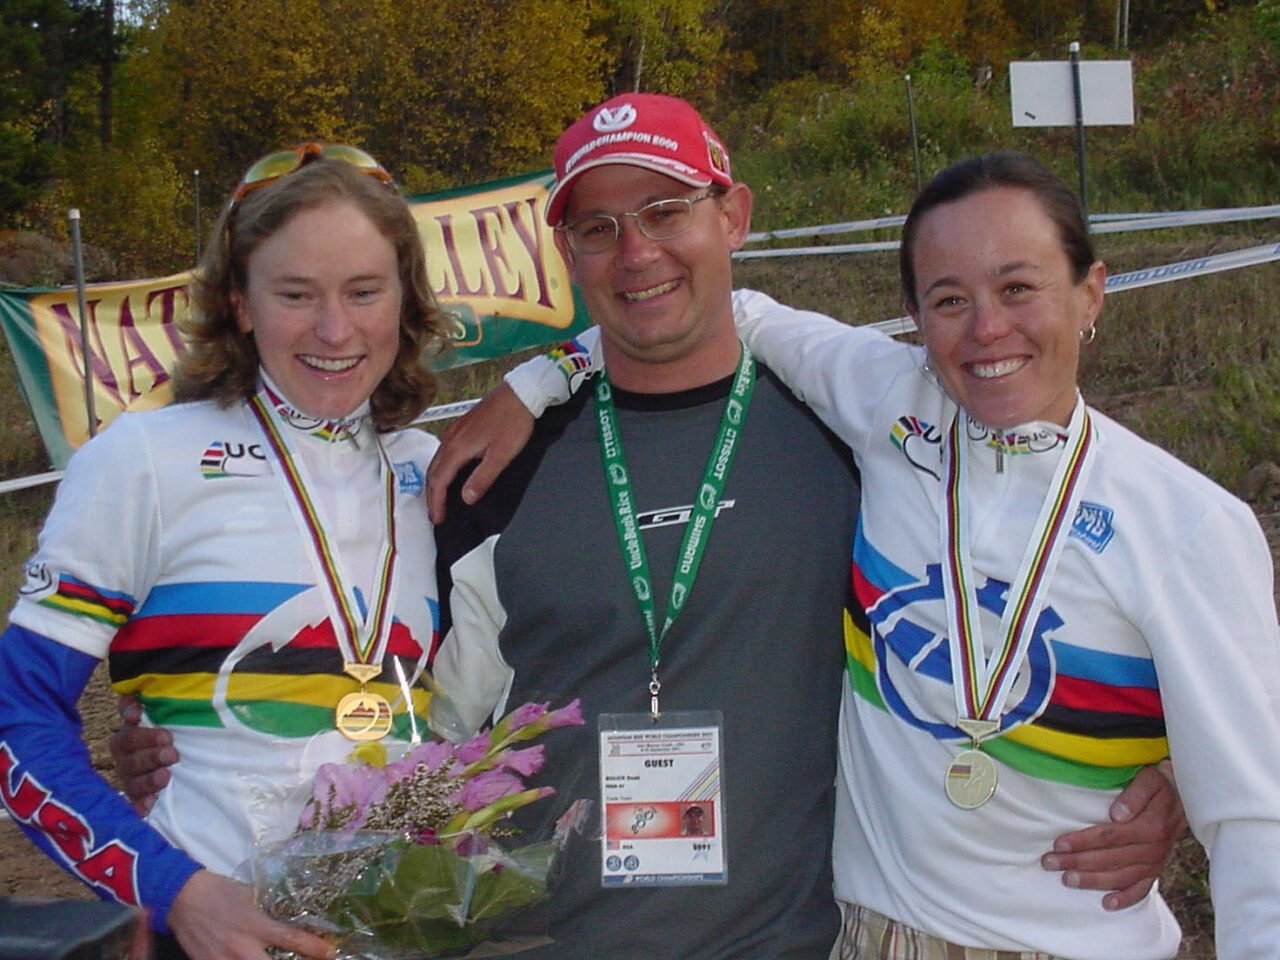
(409, 858)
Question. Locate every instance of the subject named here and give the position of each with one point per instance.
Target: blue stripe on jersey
(225, 596)
(1115, 669)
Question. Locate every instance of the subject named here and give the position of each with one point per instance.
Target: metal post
(1124, 36)
(1079, 99)
(197, 179)
(78, 258)
(915, 141)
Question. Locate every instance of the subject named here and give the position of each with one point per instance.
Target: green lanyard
(702, 514)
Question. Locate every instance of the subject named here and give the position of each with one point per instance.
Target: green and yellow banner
(491, 261)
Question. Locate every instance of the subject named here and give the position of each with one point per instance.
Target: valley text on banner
(491, 261)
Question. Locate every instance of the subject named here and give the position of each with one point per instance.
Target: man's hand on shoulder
(493, 432)
(1127, 855)
(142, 756)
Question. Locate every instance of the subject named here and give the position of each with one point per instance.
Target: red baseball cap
(649, 130)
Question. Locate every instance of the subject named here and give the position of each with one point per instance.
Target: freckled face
(322, 298)
(999, 309)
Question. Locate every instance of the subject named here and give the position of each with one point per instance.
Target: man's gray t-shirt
(759, 640)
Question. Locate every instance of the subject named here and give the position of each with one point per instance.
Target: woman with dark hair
(255, 564)
(1049, 603)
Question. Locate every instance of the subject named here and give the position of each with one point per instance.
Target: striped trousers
(867, 935)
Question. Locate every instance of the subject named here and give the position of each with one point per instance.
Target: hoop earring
(1087, 336)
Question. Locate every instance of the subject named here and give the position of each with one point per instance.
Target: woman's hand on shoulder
(215, 918)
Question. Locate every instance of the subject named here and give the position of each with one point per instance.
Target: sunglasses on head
(273, 166)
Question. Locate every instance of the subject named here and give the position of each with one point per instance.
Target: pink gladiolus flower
(488, 787)
(340, 785)
(473, 749)
(570, 715)
(523, 716)
(533, 719)
(433, 753)
(525, 762)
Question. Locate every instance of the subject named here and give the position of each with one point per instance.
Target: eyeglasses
(273, 166)
(660, 220)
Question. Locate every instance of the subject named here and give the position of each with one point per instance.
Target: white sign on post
(1043, 94)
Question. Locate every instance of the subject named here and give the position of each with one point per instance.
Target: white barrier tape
(1233, 260)
(849, 227)
(818, 251)
(1217, 263)
(893, 327)
(1104, 217)
(35, 480)
(1146, 221)
(1106, 222)
(1190, 268)
(1158, 221)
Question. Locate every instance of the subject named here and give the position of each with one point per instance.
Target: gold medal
(363, 716)
(971, 779)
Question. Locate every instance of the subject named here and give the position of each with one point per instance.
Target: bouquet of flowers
(406, 859)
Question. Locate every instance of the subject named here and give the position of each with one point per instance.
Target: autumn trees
(111, 105)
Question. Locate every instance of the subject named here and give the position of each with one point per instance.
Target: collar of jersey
(327, 431)
(1034, 436)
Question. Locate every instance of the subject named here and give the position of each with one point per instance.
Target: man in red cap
(659, 287)
(697, 593)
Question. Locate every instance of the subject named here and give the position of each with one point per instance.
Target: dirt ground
(25, 872)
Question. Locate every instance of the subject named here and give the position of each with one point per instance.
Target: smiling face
(322, 299)
(999, 309)
(663, 306)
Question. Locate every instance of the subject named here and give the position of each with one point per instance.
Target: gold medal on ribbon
(971, 779)
(363, 672)
(363, 716)
(361, 638)
(982, 682)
